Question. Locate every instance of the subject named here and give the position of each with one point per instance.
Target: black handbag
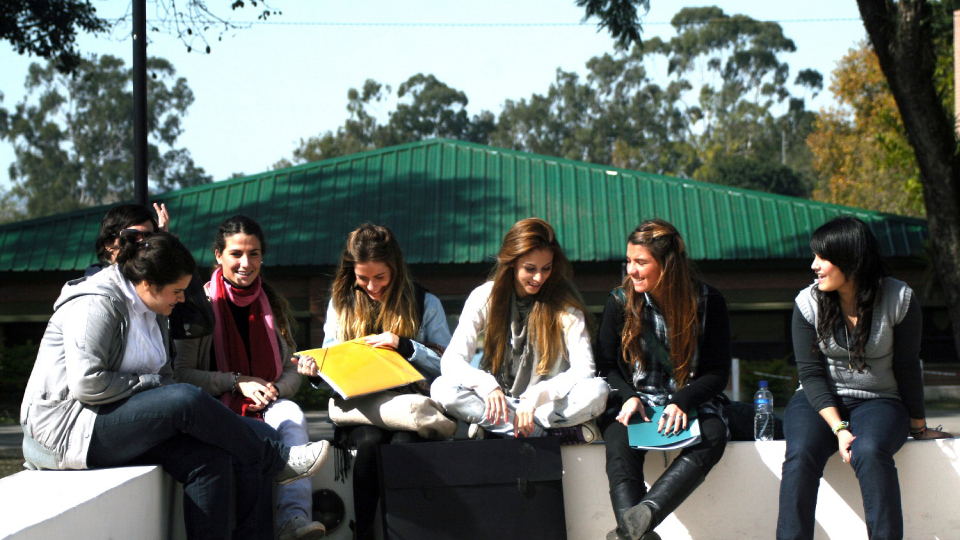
(473, 490)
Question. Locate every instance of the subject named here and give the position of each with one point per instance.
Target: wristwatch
(839, 426)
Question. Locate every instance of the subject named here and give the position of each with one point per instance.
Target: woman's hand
(630, 407)
(926, 433)
(845, 439)
(496, 407)
(306, 365)
(260, 391)
(386, 340)
(163, 217)
(672, 419)
(523, 419)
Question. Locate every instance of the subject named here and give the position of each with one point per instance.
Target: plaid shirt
(654, 384)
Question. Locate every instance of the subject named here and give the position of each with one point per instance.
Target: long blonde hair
(678, 292)
(556, 294)
(357, 314)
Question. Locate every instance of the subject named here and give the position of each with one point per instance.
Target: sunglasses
(135, 234)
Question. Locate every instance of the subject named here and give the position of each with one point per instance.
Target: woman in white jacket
(536, 375)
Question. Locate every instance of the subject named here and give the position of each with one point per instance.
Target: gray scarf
(520, 365)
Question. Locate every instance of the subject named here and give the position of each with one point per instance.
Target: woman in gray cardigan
(856, 338)
(101, 394)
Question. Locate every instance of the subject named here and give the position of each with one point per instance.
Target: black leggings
(366, 479)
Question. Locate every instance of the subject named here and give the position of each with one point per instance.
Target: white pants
(585, 401)
(295, 498)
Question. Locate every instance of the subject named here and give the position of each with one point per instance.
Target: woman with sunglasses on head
(374, 296)
(125, 219)
(247, 361)
(102, 394)
(536, 376)
(664, 340)
(856, 338)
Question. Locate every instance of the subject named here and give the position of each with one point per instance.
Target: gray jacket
(76, 371)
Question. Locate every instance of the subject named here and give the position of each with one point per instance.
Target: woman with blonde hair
(374, 296)
(664, 340)
(536, 376)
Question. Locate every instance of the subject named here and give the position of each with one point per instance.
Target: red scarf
(227, 343)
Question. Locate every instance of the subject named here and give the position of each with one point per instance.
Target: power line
(491, 24)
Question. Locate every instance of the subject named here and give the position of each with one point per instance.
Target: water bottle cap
(763, 384)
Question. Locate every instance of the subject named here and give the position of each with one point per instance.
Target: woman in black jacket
(664, 340)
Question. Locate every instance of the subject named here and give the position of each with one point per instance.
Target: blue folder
(644, 435)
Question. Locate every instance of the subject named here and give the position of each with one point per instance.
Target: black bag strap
(421, 293)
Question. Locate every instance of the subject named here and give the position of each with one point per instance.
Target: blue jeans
(880, 426)
(203, 445)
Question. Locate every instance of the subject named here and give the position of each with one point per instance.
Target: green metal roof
(451, 202)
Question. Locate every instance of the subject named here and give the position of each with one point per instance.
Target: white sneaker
(304, 460)
(476, 432)
(301, 528)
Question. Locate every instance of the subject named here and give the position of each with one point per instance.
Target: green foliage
(49, 29)
(618, 17)
(311, 399)
(73, 136)
(753, 371)
(736, 171)
(15, 366)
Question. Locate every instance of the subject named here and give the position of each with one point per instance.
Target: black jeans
(200, 443)
(625, 464)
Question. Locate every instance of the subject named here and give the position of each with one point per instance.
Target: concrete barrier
(738, 499)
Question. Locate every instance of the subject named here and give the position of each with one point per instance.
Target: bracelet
(918, 431)
(842, 425)
(236, 383)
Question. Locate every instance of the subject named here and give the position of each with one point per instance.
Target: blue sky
(264, 88)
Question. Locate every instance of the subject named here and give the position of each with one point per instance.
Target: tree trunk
(899, 32)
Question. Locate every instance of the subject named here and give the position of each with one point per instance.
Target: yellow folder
(353, 368)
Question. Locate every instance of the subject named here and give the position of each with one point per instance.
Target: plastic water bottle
(763, 414)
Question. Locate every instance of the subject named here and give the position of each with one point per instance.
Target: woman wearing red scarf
(246, 362)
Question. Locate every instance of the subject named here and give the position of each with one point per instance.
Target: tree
(427, 108)
(72, 136)
(49, 29)
(903, 36)
(860, 148)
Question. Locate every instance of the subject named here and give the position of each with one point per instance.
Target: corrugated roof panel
(450, 201)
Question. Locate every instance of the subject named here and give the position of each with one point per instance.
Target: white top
(143, 351)
(554, 385)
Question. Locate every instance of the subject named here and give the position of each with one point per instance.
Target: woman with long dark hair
(856, 338)
(664, 340)
(102, 394)
(247, 362)
(374, 296)
(536, 376)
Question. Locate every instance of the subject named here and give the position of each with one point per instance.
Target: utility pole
(140, 102)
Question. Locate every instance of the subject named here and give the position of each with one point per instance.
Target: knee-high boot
(625, 497)
(672, 488)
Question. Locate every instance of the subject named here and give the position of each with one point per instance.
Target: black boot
(671, 489)
(623, 497)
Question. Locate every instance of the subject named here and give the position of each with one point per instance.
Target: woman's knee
(183, 396)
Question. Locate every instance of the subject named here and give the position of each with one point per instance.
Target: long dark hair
(159, 259)
(848, 244)
(556, 294)
(357, 314)
(116, 220)
(283, 315)
(677, 289)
